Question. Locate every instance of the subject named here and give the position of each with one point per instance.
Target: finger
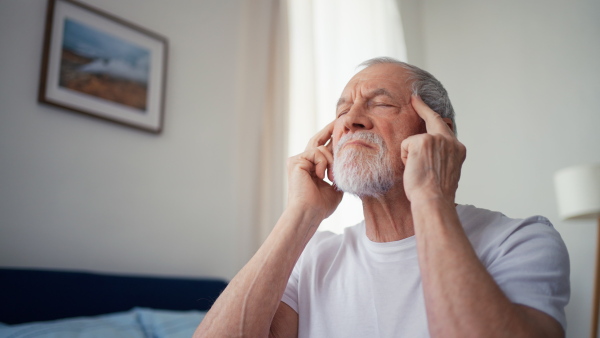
(328, 154)
(326, 151)
(329, 148)
(433, 121)
(321, 137)
(314, 161)
(405, 149)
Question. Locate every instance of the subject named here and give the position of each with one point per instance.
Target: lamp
(578, 196)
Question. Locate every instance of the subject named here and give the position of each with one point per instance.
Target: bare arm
(251, 301)
(247, 306)
(461, 297)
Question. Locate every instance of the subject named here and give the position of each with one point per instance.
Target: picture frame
(101, 65)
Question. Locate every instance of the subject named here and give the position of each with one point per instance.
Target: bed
(47, 303)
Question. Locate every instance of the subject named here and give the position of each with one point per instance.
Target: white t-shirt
(345, 285)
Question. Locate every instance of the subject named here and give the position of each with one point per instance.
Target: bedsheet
(138, 322)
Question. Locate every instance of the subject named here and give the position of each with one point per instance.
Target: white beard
(362, 172)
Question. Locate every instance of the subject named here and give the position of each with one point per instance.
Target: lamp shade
(578, 191)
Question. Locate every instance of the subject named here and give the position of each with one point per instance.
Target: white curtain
(328, 39)
(260, 123)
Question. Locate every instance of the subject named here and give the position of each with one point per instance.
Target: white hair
(423, 84)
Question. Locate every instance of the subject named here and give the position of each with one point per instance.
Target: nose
(356, 119)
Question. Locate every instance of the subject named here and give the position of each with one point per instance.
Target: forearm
(461, 297)
(247, 306)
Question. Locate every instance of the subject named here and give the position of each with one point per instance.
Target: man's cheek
(338, 132)
(396, 161)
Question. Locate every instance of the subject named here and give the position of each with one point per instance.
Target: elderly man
(419, 265)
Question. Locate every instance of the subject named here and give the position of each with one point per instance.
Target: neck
(388, 218)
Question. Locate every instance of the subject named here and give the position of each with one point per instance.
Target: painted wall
(525, 82)
(81, 193)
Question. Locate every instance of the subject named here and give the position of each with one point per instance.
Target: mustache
(366, 136)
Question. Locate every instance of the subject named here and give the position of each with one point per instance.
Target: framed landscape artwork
(100, 65)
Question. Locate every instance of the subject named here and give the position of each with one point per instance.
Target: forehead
(391, 77)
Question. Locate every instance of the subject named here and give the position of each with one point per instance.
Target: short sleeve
(532, 268)
(313, 249)
(290, 295)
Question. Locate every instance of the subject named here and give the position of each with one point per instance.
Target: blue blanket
(138, 322)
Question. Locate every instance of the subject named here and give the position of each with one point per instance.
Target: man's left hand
(432, 160)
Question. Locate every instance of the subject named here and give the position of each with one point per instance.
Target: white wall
(524, 77)
(81, 193)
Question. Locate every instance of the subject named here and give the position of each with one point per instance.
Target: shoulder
(483, 224)
(326, 244)
(526, 257)
(493, 234)
(325, 240)
(474, 218)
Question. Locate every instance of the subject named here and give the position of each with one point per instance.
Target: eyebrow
(371, 95)
(380, 92)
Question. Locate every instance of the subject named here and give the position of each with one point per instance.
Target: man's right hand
(251, 304)
(307, 188)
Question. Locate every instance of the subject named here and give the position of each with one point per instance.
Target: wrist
(432, 214)
(302, 217)
(310, 213)
(430, 200)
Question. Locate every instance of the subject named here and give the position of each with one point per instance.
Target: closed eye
(383, 105)
(342, 113)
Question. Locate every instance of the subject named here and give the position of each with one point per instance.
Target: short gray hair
(424, 84)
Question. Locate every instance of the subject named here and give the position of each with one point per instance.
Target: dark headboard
(35, 295)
